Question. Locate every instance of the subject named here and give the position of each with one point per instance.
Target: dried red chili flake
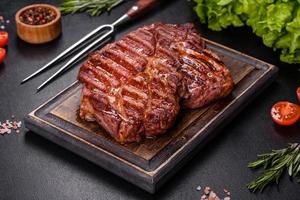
(37, 16)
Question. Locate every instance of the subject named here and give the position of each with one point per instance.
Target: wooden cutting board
(150, 163)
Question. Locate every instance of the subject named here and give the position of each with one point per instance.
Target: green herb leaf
(277, 22)
(275, 163)
(92, 7)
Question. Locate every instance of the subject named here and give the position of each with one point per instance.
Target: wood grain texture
(148, 164)
(38, 34)
(140, 7)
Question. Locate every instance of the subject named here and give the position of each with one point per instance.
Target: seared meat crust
(134, 87)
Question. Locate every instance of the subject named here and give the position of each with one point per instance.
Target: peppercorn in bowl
(38, 23)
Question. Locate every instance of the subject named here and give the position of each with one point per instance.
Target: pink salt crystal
(19, 124)
(2, 131)
(213, 196)
(206, 190)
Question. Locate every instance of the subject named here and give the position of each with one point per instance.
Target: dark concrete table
(34, 168)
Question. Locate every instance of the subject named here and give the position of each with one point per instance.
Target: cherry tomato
(298, 93)
(2, 54)
(285, 113)
(3, 38)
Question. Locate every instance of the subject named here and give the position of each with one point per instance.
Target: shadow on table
(114, 181)
(2, 69)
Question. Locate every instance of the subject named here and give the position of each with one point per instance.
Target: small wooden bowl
(38, 34)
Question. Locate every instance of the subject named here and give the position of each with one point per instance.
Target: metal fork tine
(73, 59)
(65, 52)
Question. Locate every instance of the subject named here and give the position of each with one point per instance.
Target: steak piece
(134, 87)
(205, 78)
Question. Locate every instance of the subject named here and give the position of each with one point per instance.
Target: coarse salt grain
(7, 126)
(206, 190)
(209, 194)
(3, 23)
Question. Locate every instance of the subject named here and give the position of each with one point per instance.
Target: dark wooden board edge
(260, 64)
(213, 129)
(99, 156)
(44, 113)
(151, 181)
(149, 165)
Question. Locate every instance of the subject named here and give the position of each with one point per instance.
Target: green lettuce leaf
(277, 22)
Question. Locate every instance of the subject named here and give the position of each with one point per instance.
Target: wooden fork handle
(139, 7)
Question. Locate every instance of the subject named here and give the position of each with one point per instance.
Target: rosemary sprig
(93, 7)
(275, 163)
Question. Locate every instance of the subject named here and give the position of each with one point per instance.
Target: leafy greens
(277, 22)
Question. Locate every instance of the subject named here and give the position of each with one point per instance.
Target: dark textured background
(34, 168)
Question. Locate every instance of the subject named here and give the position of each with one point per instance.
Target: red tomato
(3, 38)
(2, 54)
(285, 113)
(298, 93)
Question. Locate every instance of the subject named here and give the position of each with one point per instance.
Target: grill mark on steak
(91, 80)
(122, 59)
(134, 103)
(125, 46)
(134, 87)
(137, 47)
(201, 67)
(103, 76)
(134, 91)
(114, 68)
(146, 46)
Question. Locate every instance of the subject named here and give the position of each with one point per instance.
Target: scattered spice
(9, 125)
(226, 192)
(209, 194)
(37, 16)
(3, 22)
(207, 190)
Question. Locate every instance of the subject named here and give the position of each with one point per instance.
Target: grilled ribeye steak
(134, 87)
